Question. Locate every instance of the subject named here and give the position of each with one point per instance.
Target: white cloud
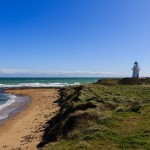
(12, 71)
(25, 72)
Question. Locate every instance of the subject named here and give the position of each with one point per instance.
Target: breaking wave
(38, 85)
(4, 112)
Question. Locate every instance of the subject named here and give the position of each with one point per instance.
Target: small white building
(136, 70)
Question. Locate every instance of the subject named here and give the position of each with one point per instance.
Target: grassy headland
(105, 115)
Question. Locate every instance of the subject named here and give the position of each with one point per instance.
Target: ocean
(43, 82)
(11, 104)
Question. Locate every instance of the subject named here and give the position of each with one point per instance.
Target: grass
(97, 116)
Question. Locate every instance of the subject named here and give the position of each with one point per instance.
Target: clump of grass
(134, 142)
(74, 135)
(135, 106)
(83, 145)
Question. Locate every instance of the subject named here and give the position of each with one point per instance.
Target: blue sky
(74, 37)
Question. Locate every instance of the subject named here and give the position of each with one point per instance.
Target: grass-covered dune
(98, 116)
(124, 81)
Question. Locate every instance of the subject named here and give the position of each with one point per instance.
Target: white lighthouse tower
(136, 70)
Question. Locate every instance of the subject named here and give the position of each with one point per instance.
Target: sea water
(43, 82)
(10, 104)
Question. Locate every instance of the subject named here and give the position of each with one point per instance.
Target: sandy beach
(25, 129)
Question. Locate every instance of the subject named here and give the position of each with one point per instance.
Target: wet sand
(25, 129)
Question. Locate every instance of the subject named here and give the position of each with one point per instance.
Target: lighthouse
(136, 70)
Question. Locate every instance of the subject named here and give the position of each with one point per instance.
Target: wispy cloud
(25, 72)
(12, 71)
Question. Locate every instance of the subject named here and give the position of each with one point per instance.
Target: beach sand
(25, 129)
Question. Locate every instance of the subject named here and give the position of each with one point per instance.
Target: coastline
(25, 129)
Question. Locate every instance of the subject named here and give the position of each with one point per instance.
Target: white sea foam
(3, 116)
(3, 111)
(38, 85)
(11, 99)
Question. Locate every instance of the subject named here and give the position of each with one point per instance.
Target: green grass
(116, 117)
